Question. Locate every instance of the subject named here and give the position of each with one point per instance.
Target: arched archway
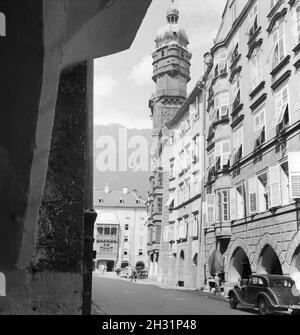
(181, 267)
(140, 265)
(2, 285)
(268, 262)
(239, 267)
(295, 264)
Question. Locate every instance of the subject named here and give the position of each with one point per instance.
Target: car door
(252, 290)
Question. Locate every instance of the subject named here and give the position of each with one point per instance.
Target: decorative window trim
(235, 61)
(276, 18)
(281, 80)
(234, 72)
(280, 66)
(253, 37)
(274, 9)
(253, 46)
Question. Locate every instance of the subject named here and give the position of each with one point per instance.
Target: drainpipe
(89, 214)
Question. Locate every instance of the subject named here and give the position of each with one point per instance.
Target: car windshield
(281, 283)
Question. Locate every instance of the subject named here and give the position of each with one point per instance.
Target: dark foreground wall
(53, 282)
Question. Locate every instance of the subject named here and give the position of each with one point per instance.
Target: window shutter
(275, 186)
(210, 208)
(252, 188)
(205, 224)
(294, 174)
(233, 207)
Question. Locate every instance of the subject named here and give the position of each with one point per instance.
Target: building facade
(253, 149)
(244, 216)
(120, 236)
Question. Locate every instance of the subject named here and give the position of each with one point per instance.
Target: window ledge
(280, 80)
(223, 120)
(274, 9)
(238, 121)
(257, 89)
(297, 48)
(297, 64)
(280, 66)
(258, 102)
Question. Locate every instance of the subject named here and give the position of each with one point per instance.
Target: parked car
(268, 293)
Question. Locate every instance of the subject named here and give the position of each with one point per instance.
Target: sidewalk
(112, 275)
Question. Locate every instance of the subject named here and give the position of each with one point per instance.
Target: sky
(123, 82)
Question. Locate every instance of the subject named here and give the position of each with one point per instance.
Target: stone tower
(171, 70)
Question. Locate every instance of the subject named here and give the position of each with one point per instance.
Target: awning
(215, 263)
(279, 115)
(258, 132)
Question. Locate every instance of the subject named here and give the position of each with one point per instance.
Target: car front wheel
(232, 301)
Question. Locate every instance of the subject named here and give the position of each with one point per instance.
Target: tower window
(162, 53)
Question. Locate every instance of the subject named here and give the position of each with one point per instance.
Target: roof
(112, 199)
(107, 218)
(271, 277)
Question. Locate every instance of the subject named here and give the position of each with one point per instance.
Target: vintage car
(268, 293)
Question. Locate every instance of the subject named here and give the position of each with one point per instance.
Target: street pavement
(115, 296)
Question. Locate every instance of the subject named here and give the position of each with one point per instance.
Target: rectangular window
(127, 226)
(253, 21)
(210, 203)
(223, 62)
(211, 159)
(263, 193)
(256, 69)
(233, 10)
(278, 45)
(238, 144)
(281, 105)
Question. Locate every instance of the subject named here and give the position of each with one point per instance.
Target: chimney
(106, 188)
(125, 189)
(135, 192)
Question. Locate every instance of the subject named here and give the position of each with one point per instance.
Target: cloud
(105, 85)
(141, 73)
